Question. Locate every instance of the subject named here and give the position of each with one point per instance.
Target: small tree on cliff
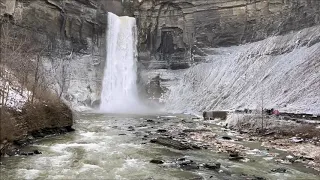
(19, 61)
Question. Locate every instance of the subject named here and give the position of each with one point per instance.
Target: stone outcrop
(172, 33)
(280, 72)
(75, 25)
(72, 34)
(33, 121)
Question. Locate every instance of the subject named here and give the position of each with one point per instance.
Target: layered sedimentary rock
(72, 35)
(280, 72)
(172, 33)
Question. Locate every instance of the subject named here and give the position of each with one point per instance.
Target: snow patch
(15, 95)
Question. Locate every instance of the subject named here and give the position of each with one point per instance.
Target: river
(118, 147)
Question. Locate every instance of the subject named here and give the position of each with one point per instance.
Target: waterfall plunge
(119, 89)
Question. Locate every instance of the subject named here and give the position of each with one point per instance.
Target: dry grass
(11, 128)
(306, 131)
(272, 127)
(15, 125)
(46, 115)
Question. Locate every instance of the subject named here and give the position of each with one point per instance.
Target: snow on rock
(14, 95)
(79, 77)
(280, 72)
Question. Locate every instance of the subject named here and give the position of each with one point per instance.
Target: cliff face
(72, 34)
(280, 72)
(75, 25)
(172, 33)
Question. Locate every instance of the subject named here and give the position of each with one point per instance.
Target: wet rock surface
(156, 161)
(171, 143)
(13, 148)
(226, 137)
(212, 166)
(279, 170)
(194, 134)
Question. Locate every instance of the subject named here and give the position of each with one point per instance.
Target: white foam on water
(133, 164)
(130, 166)
(61, 148)
(88, 134)
(28, 173)
(119, 88)
(131, 145)
(89, 167)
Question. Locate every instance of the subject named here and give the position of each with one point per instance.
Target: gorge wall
(172, 33)
(280, 72)
(191, 59)
(72, 34)
(173, 36)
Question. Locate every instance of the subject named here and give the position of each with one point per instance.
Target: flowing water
(119, 87)
(103, 148)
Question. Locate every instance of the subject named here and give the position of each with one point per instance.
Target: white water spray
(119, 89)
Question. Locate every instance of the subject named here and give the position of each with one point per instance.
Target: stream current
(118, 147)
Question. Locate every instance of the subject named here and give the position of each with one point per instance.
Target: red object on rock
(276, 112)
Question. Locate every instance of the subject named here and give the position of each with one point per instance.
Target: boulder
(188, 165)
(207, 115)
(161, 130)
(226, 137)
(171, 143)
(212, 166)
(156, 161)
(279, 170)
(37, 152)
(131, 128)
(235, 156)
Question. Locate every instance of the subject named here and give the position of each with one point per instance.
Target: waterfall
(119, 89)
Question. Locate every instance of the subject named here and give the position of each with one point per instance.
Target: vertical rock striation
(172, 33)
(280, 72)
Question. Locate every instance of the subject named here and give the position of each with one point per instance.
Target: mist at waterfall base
(119, 87)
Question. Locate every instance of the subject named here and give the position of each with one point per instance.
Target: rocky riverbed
(153, 147)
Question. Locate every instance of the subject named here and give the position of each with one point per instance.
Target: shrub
(11, 128)
(47, 114)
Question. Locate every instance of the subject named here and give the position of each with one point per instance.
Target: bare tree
(262, 111)
(61, 74)
(19, 61)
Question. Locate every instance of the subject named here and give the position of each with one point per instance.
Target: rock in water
(212, 166)
(156, 161)
(188, 165)
(226, 137)
(181, 159)
(130, 128)
(170, 143)
(279, 170)
(235, 156)
(161, 130)
(37, 152)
